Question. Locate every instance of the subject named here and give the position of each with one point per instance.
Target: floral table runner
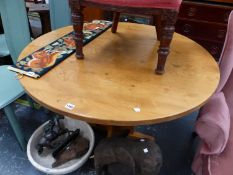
(41, 61)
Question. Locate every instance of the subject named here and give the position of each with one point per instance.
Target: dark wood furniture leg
(157, 24)
(168, 20)
(116, 18)
(30, 27)
(45, 21)
(77, 19)
(116, 131)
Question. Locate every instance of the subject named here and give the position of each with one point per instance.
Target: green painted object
(17, 36)
(60, 14)
(9, 111)
(15, 24)
(10, 89)
(4, 51)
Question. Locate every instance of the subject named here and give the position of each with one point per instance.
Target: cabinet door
(202, 30)
(205, 12)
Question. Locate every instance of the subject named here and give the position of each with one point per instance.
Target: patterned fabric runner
(44, 59)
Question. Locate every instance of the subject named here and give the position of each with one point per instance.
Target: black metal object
(51, 132)
(66, 143)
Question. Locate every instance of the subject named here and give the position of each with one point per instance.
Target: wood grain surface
(117, 75)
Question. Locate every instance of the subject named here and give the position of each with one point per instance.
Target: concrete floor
(174, 139)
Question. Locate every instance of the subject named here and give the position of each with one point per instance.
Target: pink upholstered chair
(215, 123)
(164, 11)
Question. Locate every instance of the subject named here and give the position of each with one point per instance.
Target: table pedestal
(127, 131)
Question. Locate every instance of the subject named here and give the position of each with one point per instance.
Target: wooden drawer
(215, 49)
(205, 12)
(197, 29)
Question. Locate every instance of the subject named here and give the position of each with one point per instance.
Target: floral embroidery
(42, 60)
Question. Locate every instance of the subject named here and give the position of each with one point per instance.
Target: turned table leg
(168, 20)
(116, 18)
(157, 24)
(77, 20)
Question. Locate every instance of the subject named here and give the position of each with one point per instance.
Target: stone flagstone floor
(174, 139)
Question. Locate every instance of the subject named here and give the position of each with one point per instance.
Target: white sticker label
(69, 106)
(146, 150)
(30, 73)
(137, 109)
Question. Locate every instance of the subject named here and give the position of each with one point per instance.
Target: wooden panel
(205, 22)
(214, 49)
(205, 12)
(197, 29)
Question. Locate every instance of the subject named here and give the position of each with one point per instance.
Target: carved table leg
(77, 20)
(157, 24)
(168, 20)
(139, 135)
(116, 18)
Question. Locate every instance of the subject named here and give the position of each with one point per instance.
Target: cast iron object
(51, 132)
(66, 143)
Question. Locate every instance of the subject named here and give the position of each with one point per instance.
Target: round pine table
(115, 84)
